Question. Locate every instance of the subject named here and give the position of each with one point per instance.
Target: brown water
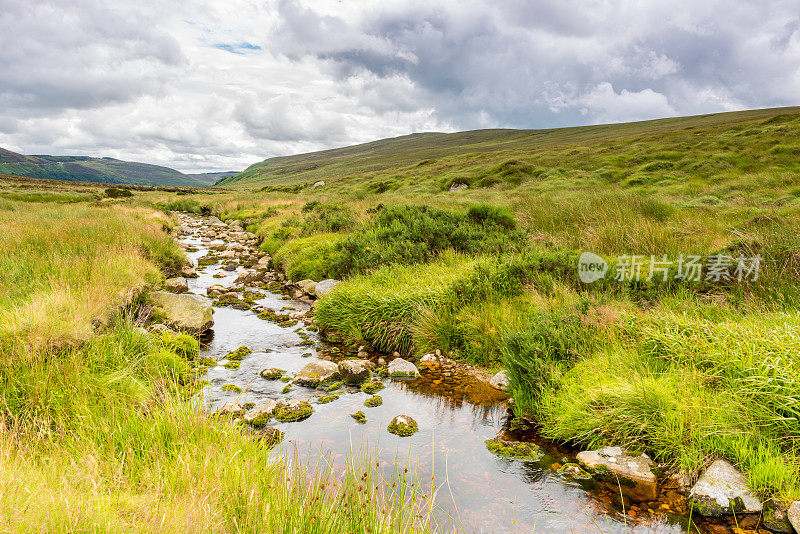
(480, 491)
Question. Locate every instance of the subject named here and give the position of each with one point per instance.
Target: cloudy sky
(217, 85)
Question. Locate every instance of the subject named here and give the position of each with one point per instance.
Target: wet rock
(233, 364)
(359, 416)
(270, 435)
(215, 290)
(231, 266)
(723, 490)
(176, 285)
(271, 373)
(620, 470)
(189, 313)
(355, 372)
(234, 410)
(260, 415)
(291, 411)
(373, 401)
(238, 354)
(794, 515)
(232, 387)
(315, 372)
(248, 277)
(402, 425)
(325, 399)
(515, 449)
(574, 471)
(205, 361)
(188, 272)
(499, 381)
(775, 518)
(324, 287)
(372, 386)
(428, 359)
(400, 368)
(307, 286)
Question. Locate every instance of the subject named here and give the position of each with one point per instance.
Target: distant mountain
(106, 170)
(210, 178)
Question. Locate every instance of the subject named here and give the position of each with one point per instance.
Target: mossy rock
(574, 471)
(286, 389)
(232, 387)
(232, 365)
(372, 386)
(328, 398)
(248, 405)
(272, 373)
(207, 361)
(270, 436)
(402, 426)
(238, 354)
(359, 416)
(373, 402)
(515, 449)
(289, 412)
(286, 379)
(306, 343)
(332, 386)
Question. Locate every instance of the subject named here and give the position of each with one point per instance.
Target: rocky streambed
(265, 364)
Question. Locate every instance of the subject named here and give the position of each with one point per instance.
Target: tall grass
(63, 265)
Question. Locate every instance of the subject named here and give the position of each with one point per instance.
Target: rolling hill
(492, 156)
(106, 170)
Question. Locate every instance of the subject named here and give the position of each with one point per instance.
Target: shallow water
(480, 491)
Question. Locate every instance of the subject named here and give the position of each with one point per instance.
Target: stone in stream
(403, 426)
(614, 467)
(723, 490)
(373, 401)
(324, 287)
(315, 372)
(355, 372)
(270, 435)
(189, 313)
(291, 411)
(775, 518)
(249, 276)
(359, 416)
(238, 354)
(260, 415)
(500, 381)
(215, 290)
(400, 368)
(230, 266)
(176, 285)
(794, 515)
(515, 449)
(307, 286)
(271, 373)
(232, 409)
(372, 386)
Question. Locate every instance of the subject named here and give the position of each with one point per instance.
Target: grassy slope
(687, 372)
(387, 157)
(83, 168)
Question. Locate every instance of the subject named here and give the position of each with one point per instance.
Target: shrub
(113, 192)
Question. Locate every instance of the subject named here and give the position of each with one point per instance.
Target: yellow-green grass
(64, 265)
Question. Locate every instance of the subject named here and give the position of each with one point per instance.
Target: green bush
(114, 192)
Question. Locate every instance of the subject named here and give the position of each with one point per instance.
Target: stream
(478, 491)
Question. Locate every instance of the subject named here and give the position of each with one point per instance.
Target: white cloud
(210, 85)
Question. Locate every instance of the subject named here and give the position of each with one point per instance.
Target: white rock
(400, 368)
(640, 482)
(723, 490)
(317, 184)
(262, 409)
(315, 372)
(499, 381)
(794, 515)
(325, 286)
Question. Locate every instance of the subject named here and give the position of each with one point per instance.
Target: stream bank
(455, 409)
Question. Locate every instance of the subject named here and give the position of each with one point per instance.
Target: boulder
(307, 286)
(249, 276)
(291, 411)
(614, 467)
(499, 381)
(215, 290)
(354, 372)
(176, 285)
(188, 313)
(402, 426)
(318, 184)
(260, 415)
(315, 372)
(400, 368)
(188, 272)
(429, 359)
(794, 515)
(325, 286)
(458, 186)
(723, 490)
